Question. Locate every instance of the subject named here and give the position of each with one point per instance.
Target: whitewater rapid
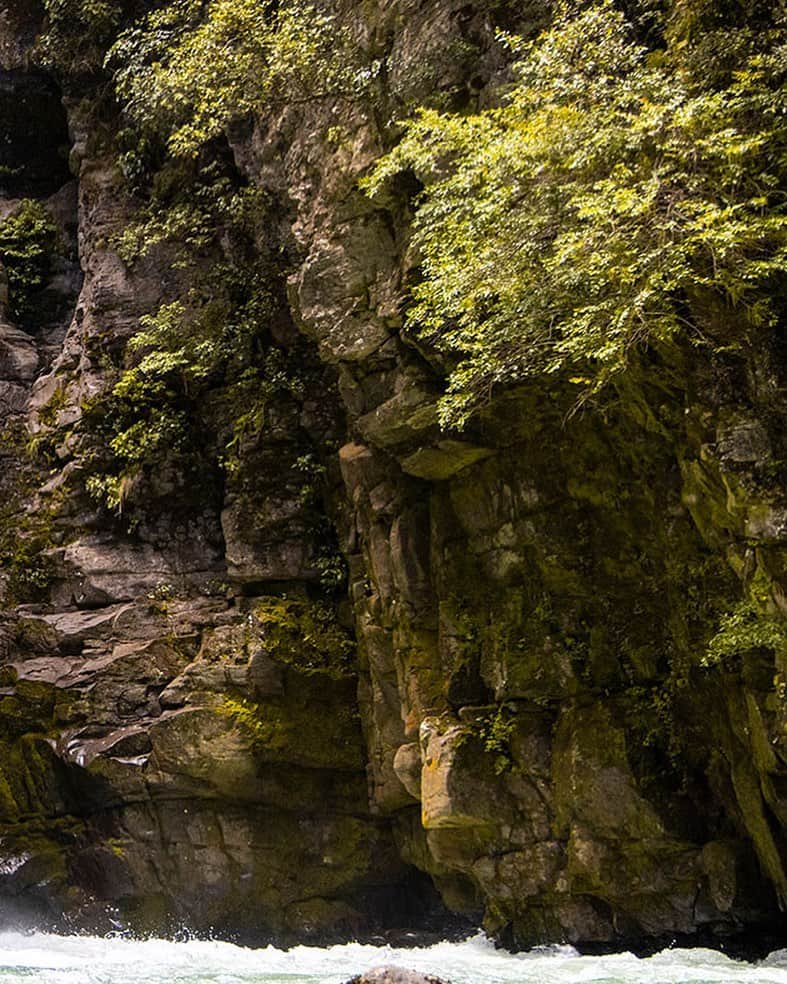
(44, 959)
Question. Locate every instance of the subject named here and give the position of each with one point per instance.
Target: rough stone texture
(395, 975)
(534, 723)
(172, 753)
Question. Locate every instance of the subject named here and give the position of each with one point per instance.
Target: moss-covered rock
(557, 682)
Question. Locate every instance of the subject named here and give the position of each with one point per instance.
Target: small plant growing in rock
(742, 630)
(29, 240)
(493, 729)
(495, 734)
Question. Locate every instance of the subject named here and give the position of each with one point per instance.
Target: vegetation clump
(78, 33)
(29, 240)
(305, 635)
(205, 339)
(495, 732)
(582, 218)
(751, 626)
(188, 69)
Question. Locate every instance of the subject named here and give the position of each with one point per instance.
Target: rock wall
(546, 692)
(181, 745)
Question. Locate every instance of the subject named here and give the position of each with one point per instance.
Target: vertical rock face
(180, 738)
(531, 698)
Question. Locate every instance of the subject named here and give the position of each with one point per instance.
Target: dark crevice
(34, 140)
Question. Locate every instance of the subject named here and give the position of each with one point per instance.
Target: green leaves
(574, 224)
(743, 630)
(28, 241)
(78, 31)
(187, 69)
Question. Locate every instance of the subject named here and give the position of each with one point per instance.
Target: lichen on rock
(282, 655)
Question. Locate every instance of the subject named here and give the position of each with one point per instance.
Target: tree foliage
(580, 219)
(188, 69)
(29, 239)
(78, 32)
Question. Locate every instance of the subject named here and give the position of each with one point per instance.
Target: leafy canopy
(188, 69)
(578, 220)
(78, 32)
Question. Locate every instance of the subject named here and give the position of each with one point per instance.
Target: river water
(43, 959)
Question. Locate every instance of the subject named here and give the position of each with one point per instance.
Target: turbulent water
(79, 960)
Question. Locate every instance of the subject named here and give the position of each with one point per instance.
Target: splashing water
(44, 959)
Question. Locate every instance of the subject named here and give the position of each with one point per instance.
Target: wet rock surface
(517, 715)
(395, 975)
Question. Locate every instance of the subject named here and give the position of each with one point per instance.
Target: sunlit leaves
(28, 242)
(574, 223)
(187, 70)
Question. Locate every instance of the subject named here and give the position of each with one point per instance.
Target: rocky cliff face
(544, 696)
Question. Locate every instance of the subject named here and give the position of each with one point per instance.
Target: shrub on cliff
(580, 219)
(188, 69)
(78, 32)
(28, 242)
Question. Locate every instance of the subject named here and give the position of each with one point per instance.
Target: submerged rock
(395, 975)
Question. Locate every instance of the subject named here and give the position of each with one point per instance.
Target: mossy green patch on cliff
(31, 776)
(25, 533)
(299, 704)
(293, 729)
(307, 636)
(269, 728)
(743, 630)
(754, 624)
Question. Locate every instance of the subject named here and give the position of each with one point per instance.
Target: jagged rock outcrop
(175, 752)
(533, 720)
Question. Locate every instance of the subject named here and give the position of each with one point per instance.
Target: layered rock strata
(542, 717)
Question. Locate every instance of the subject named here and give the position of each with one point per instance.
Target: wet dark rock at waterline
(395, 975)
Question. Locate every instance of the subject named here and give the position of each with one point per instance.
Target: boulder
(395, 975)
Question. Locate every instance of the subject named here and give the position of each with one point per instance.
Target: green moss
(268, 725)
(25, 533)
(25, 545)
(50, 411)
(305, 635)
(8, 804)
(294, 729)
(742, 630)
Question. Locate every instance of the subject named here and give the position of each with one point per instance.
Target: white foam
(45, 959)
